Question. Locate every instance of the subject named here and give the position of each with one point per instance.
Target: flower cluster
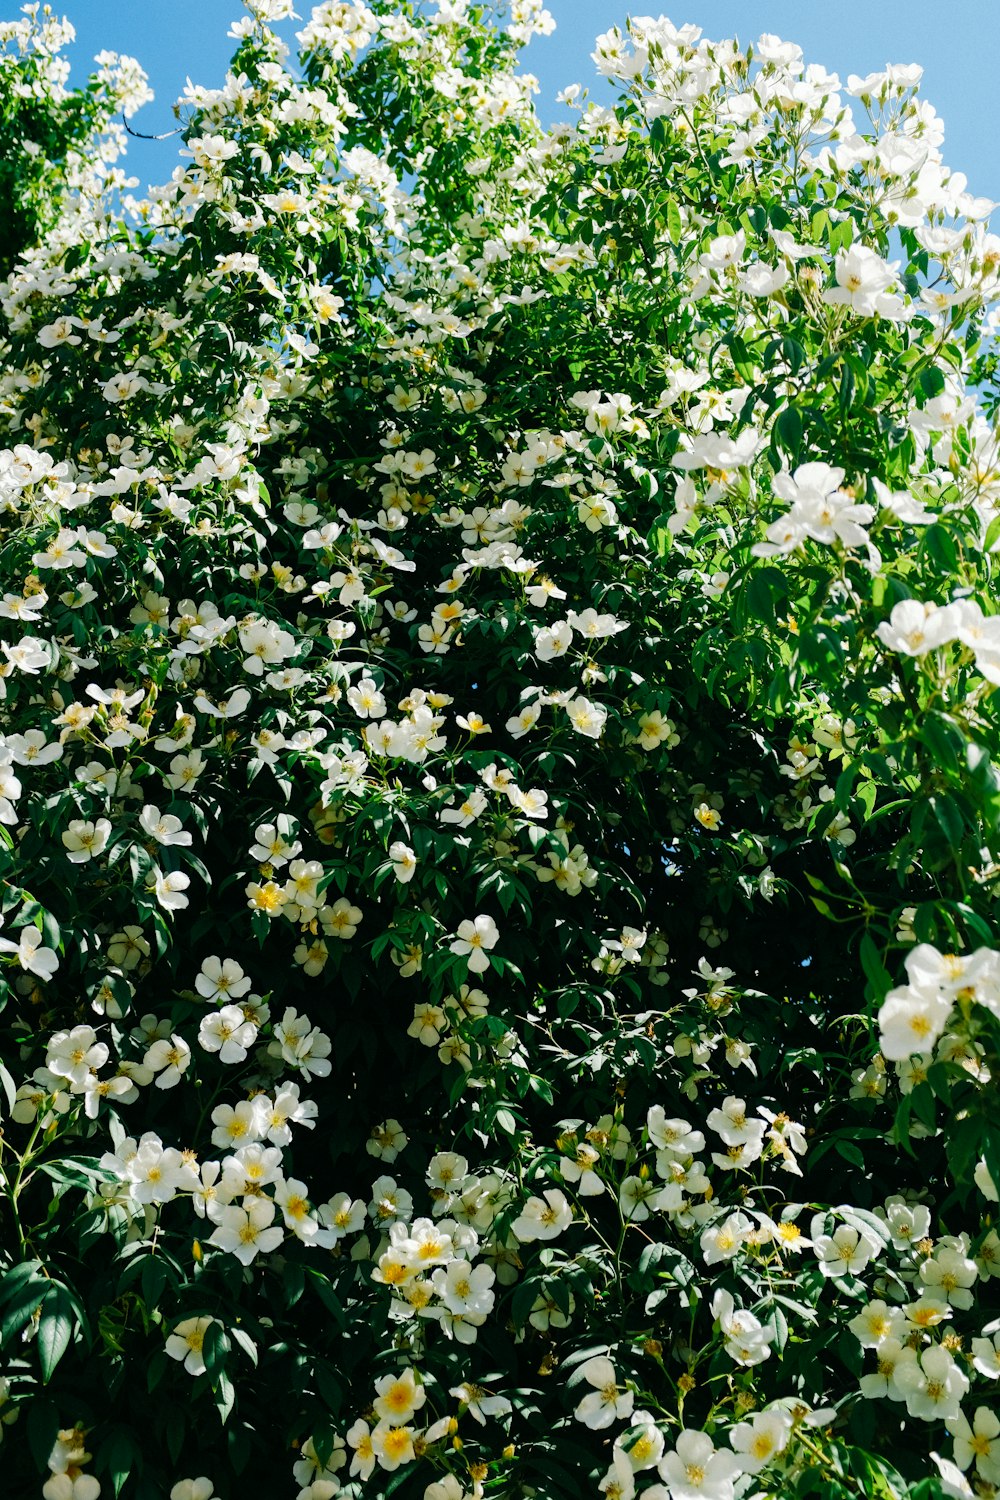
(496, 667)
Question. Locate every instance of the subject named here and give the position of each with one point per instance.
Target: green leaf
(43, 1425)
(879, 978)
(21, 1305)
(948, 817)
(117, 1457)
(225, 1396)
(849, 1152)
(788, 428)
(246, 1343)
(12, 1281)
(215, 1347)
(174, 1432)
(55, 1328)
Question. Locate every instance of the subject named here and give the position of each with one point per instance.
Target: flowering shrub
(46, 125)
(497, 789)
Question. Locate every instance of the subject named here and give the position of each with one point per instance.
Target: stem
(18, 1183)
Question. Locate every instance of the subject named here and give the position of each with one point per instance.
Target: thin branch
(141, 136)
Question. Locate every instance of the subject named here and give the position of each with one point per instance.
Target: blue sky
(957, 44)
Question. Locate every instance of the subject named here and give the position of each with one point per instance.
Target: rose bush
(500, 823)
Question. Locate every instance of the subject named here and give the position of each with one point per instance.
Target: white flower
(84, 840)
(292, 1197)
(473, 939)
(747, 1339)
(389, 1203)
(892, 1356)
(543, 1218)
(932, 1385)
(862, 279)
(876, 1322)
(637, 1195)
(722, 1240)
(546, 1313)
(169, 888)
(221, 979)
(386, 1141)
(264, 642)
(819, 508)
(212, 150)
(341, 919)
(448, 1488)
(524, 721)
(733, 1125)
(31, 955)
(949, 1273)
(465, 1291)
(479, 1403)
(672, 1135)
(393, 1445)
(984, 1182)
(169, 1059)
(342, 1216)
(619, 1484)
(32, 749)
(403, 861)
(467, 812)
(586, 718)
(596, 511)
(185, 1343)
(247, 1232)
(157, 1172)
(236, 1125)
(66, 1486)
(554, 640)
(128, 948)
(913, 628)
(844, 1253)
(910, 1021)
(759, 1440)
(312, 956)
(302, 1045)
(641, 1447)
(579, 1169)
(275, 843)
(696, 1468)
(725, 251)
(607, 1402)
(907, 1223)
(193, 1489)
(185, 770)
(165, 828)
(75, 1054)
(227, 708)
(228, 1033)
(429, 1021)
(363, 1461)
(654, 731)
(398, 1398)
(953, 1482)
(986, 1356)
(366, 700)
(978, 1442)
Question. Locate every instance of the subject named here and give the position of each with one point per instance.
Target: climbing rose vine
(500, 823)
